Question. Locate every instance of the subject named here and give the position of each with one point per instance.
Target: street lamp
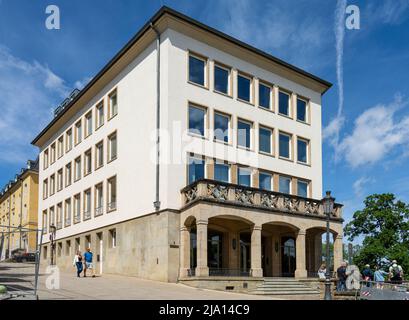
(53, 230)
(328, 203)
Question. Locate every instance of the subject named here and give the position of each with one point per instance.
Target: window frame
(85, 203)
(53, 153)
(227, 68)
(223, 163)
(87, 153)
(52, 185)
(205, 120)
(308, 187)
(251, 87)
(307, 109)
(110, 94)
(197, 157)
(205, 59)
(46, 158)
(229, 129)
(109, 192)
(307, 151)
(60, 146)
(250, 148)
(99, 106)
(76, 170)
(60, 179)
(109, 151)
(96, 186)
(77, 215)
(271, 87)
(272, 145)
(96, 154)
(250, 171)
(68, 137)
(263, 172)
(66, 175)
(45, 188)
(77, 138)
(88, 119)
(67, 200)
(289, 185)
(290, 146)
(289, 115)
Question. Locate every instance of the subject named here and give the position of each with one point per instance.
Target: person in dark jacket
(367, 274)
(342, 277)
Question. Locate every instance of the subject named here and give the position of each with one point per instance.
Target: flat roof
(161, 12)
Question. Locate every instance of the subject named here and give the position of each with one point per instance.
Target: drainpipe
(156, 204)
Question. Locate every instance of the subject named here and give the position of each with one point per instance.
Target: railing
(67, 222)
(230, 193)
(99, 211)
(87, 215)
(59, 225)
(111, 206)
(371, 290)
(77, 218)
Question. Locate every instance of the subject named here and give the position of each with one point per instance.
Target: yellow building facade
(19, 207)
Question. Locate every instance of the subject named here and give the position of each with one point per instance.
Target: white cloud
(80, 84)
(388, 12)
(360, 185)
(377, 132)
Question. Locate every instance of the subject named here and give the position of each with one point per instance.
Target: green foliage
(384, 224)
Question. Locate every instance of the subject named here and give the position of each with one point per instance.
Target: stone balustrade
(215, 191)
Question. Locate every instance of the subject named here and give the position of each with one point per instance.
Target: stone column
(202, 270)
(184, 254)
(338, 251)
(256, 270)
(300, 271)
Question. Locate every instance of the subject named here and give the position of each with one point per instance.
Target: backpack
(396, 271)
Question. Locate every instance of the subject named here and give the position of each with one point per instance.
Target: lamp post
(328, 203)
(53, 230)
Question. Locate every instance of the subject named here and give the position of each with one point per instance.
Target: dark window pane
(265, 181)
(283, 103)
(196, 120)
(221, 80)
(284, 185)
(221, 127)
(302, 151)
(196, 70)
(243, 135)
(221, 172)
(284, 146)
(301, 110)
(264, 96)
(243, 88)
(265, 140)
(196, 169)
(244, 177)
(302, 188)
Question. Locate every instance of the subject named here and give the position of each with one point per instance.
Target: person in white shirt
(78, 263)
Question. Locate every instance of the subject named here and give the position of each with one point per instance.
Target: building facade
(19, 207)
(189, 155)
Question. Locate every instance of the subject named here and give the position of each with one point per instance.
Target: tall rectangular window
(222, 172)
(302, 188)
(221, 79)
(59, 215)
(88, 124)
(221, 127)
(99, 154)
(52, 184)
(196, 169)
(45, 159)
(45, 221)
(100, 114)
(285, 185)
(77, 208)
(112, 147)
(113, 104)
(265, 181)
(265, 140)
(60, 146)
(52, 216)
(244, 177)
(67, 212)
(264, 96)
(60, 180)
(302, 150)
(112, 205)
(78, 132)
(284, 103)
(284, 145)
(197, 70)
(243, 88)
(244, 134)
(68, 174)
(87, 162)
(99, 199)
(52, 153)
(68, 140)
(87, 204)
(45, 189)
(197, 120)
(301, 110)
(112, 235)
(77, 168)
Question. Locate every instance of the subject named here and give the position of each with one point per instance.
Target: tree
(384, 224)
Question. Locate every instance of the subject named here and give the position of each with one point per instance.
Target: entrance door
(288, 256)
(215, 250)
(245, 253)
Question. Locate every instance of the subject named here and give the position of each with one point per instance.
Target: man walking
(88, 262)
(342, 277)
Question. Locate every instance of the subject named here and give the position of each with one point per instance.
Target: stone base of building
(146, 247)
(234, 284)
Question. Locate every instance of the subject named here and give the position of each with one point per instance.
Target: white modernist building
(191, 155)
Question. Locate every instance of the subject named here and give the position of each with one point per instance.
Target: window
(60, 180)
(67, 212)
(301, 110)
(45, 221)
(78, 132)
(77, 168)
(45, 189)
(68, 248)
(244, 177)
(68, 140)
(99, 200)
(284, 184)
(87, 162)
(59, 249)
(99, 154)
(112, 235)
(77, 208)
(52, 217)
(302, 188)
(264, 96)
(52, 184)
(221, 127)
(111, 194)
(284, 103)
(196, 169)
(265, 140)
(197, 70)
(52, 153)
(244, 134)
(302, 150)
(68, 174)
(243, 88)
(284, 141)
(45, 159)
(197, 120)
(222, 172)
(265, 181)
(60, 146)
(99, 114)
(113, 104)
(88, 124)
(221, 79)
(87, 204)
(112, 147)
(59, 215)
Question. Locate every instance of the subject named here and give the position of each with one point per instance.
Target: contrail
(339, 38)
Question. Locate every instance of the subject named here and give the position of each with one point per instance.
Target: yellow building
(19, 207)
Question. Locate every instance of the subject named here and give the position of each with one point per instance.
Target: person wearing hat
(367, 274)
(395, 273)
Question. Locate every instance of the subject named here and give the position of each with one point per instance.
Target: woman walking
(78, 263)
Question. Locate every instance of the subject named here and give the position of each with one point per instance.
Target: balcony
(99, 211)
(87, 215)
(226, 193)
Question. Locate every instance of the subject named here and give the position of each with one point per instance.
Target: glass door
(288, 256)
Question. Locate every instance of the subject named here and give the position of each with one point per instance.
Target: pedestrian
(379, 276)
(395, 273)
(342, 277)
(367, 274)
(78, 263)
(88, 262)
(322, 271)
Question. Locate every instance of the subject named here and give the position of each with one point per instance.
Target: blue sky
(366, 145)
